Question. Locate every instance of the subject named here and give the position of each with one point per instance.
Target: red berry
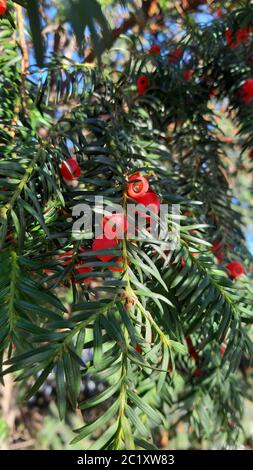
(219, 13)
(198, 373)
(70, 169)
(235, 269)
(192, 351)
(229, 38)
(3, 7)
(66, 257)
(150, 198)
(246, 91)
(187, 213)
(187, 74)
(251, 154)
(243, 35)
(142, 84)
(175, 55)
(183, 262)
(104, 244)
(213, 92)
(155, 49)
(138, 349)
(217, 250)
(223, 350)
(235, 39)
(84, 270)
(138, 187)
(119, 268)
(115, 225)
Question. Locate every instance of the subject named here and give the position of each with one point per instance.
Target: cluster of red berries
(71, 170)
(174, 56)
(80, 269)
(80, 265)
(138, 189)
(117, 224)
(235, 268)
(234, 40)
(3, 7)
(114, 226)
(66, 259)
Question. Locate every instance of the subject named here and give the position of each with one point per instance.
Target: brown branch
(140, 18)
(188, 5)
(184, 6)
(24, 55)
(8, 407)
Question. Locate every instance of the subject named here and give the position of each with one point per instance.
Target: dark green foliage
(137, 321)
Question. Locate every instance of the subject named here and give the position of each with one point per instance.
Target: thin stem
(24, 56)
(9, 206)
(13, 281)
(148, 316)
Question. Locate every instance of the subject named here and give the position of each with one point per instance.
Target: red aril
(3, 7)
(100, 244)
(70, 169)
(235, 269)
(138, 186)
(115, 226)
